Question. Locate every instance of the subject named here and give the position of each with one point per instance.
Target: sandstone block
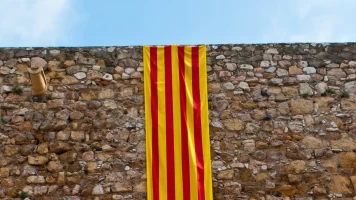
(77, 135)
(340, 185)
(313, 142)
(226, 175)
(287, 190)
(59, 147)
(296, 166)
(234, 124)
(36, 179)
(347, 159)
(330, 165)
(42, 148)
(37, 160)
(4, 172)
(346, 145)
(54, 166)
(301, 106)
(121, 187)
(10, 150)
(324, 103)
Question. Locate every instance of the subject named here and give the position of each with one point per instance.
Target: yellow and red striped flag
(177, 124)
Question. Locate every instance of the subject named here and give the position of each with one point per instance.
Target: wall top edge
(222, 44)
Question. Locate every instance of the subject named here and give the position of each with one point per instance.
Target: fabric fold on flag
(177, 124)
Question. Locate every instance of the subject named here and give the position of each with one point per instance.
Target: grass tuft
(16, 89)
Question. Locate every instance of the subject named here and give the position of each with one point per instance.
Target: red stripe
(169, 123)
(197, 122)
(184, 125)
(154, 110)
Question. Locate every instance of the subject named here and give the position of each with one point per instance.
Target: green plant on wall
(3, 121)
(23, 195)
(330, 91)
(49, 96)
(345, 94)
(16, 89)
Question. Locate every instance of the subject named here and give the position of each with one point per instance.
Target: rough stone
(304, 88)
(59, 147)
(272, 51)
(276, 81)
(244, 86)
(303, 77)
(340, 185)
(312, 142)
(347, 159)
(36, 179)
(336, 73)
(246, 67)
(108, 77)
(38, 62)
(296, 166)
(54, 166)
(294, 70)
(301, 106)
(231, 66)
(282, 72)
(287, 190)
(80, 75)
(265, 64)
(229, 86)
(11, 63)
(69, 80)
(324, 102)
(343, 144)
(5, 70)
(309, 70)
(234, 124)
(270, 70)
(226, 175)
(98, 190)
(121, 187)
(37, 160)
(303, 64)
(321, 87)
(350, 87)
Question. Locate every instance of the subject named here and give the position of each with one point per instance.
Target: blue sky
(32, 23)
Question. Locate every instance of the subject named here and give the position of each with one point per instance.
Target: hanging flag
(177, 124)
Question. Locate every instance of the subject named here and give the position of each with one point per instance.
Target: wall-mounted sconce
(38, 82)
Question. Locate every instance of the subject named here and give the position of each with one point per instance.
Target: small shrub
(23, 195)
(3, 121)
(330, 91)
(16, 89)
(345, 94)
(306, 94)
(49, 96)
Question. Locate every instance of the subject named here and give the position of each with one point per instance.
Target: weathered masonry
(282, 122)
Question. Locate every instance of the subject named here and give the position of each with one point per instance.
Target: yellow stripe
(161, 124)
(205, 123)
(148, 117)
(190, 120)
(177, 126)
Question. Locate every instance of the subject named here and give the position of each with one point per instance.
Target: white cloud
(35, 22)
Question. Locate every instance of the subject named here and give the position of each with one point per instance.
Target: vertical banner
(177, 125)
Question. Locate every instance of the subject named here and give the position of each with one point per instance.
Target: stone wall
(282, 122)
